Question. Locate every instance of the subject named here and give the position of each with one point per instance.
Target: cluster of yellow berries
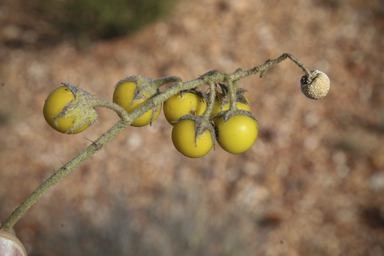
(66, 111)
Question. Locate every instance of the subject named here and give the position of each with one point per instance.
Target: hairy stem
(211, 101)
(211, 78)
(121, 112)
(232, 95)
(62, 172)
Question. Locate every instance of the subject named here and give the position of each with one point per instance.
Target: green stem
(232, 95)
(166, 80)
(211, 101)
(121, 112)
(62, 172)
(212, 77)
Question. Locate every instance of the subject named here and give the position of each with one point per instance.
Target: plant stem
(62, 172)
(121, 112)
(210, 77)
(211, 101)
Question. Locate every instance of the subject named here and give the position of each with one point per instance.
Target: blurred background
(312, 184)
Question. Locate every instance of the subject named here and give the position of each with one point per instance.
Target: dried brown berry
(316, 87)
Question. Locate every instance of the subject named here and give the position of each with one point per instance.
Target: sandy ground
(312, 184)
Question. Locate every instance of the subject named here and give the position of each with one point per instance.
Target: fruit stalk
(212, 77)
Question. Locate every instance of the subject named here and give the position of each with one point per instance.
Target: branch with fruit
(199, 118)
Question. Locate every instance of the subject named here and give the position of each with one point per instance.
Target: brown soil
(312, 184)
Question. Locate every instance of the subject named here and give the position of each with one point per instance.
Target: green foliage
(102, 19)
